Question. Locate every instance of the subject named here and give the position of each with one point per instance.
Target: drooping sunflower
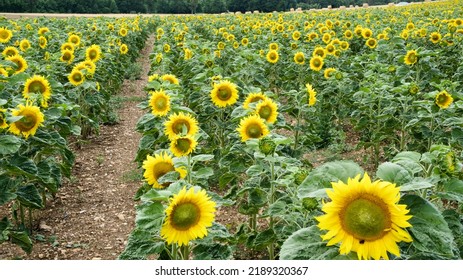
(316, 63)
(299, 58)
(188, 216)
(267, 110)
(5, 35)
(365, 217)
(252, 127)
(67, 56)
(20, 62)
(43, 42)
(38, 84)
(74, 39)
(328, 73)
(160, 103)
(93, 53)
(170, 78)
(76, 77)
(272, 56)
(180, 124)
(158, 166)
(224, 94)
(435, 37)
(443, 99)
(183, 145)
(10, 51)
(411, 57)
(252, 98)
(312, 94)
(3, 123)
(24, 45)
(371, 43)
(123, 49)
(31, 119)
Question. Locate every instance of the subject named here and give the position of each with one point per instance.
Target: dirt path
(94, 213)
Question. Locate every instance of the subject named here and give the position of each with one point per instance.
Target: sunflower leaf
(453, 190)
(150, 216)
(9, 144)
(394, 173)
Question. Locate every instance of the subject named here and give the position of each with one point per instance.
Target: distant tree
(213, 6)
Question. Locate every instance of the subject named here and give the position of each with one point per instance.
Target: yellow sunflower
(153, 77)
(252, 98)
(87, 65)
(272, 56)
(299, 58)
(267, 110)
(273, 46)
(93, 53)
(160, 103)
(76, 77)
(188, 216)
(3, 72)
(371, 43)
(74, 39)
(296, 35)
(348, 34)
(24, 45)
(188, 54)
(328, 73)
(67, 47)
(20, 62)
(316, 63)
(123, 49)
(3, 123)
(158, 166)
(123, 31)
(67, 56)
(330, 48)
(312, 94)
(443, 99)
(170, 78)
(365, 217)
(319, 51)
(10, 51)
(180, 124)
(367, 33)
(435, 37)
(344, 45)
(166, 48)
(183, 145)
(43, 42)
(31, 119)
(252, 127)
(5, 35)
(224, 94)
(38, 84)
(43, 30)
(411, 57)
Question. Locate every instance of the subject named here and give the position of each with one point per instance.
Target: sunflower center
(162, 168)
(92, 54)
(265, 112)
(4, 34)
(77, 77)
(273, 56)
(442, 99)
(412, 58)
(26, 123)
(366, 218)
(66, 56)
(183, 145)
(160, 103)
(316, 62)
(254, 131)
(223, 94)
(178, 126)
(37, 86)
(184, 216)
(299, 58)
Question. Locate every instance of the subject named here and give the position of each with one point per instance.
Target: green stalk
(189, 169)
(271, 248)
(186, 252)
(30, 220)
(21, 213)
(296, 136)
(174, 251)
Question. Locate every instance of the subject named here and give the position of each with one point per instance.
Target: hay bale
(342, 7)
(365, 5)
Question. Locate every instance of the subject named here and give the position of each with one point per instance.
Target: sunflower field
(331, 134)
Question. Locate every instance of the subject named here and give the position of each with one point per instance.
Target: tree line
(171, 6)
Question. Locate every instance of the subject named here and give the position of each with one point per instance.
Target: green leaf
(156, 195)
(202, 158)
(141, 244)
(394, 173)
(226, 178)
(212, 246)
(418, 183)
(21, 239)
(409, 160)
(203, 173)
(169, 177)
(455, 223)
(5, 226)
(29, 197)
(322, 176)
(429, 230)
(254, 170)
(20, 165)
(8, 188)
(150, 216)
(306, 244)
(9, 144)
(453, 190)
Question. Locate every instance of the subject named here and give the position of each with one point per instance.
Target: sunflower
(74, 39)
(180, 124)
(312, 94)
(316, 63)
(158, 58)
(5, 35)
(123, 31)
(76, 77)
(224, 94)
(43, 30)
(158, 166)
(160, 103)
(244, 41)
(267, 110)
(365, 217)
(24, 45)
(43, 42)
(371, 43)
(435, 37)
(328, 73)
(252, 98)
(166, 48)
(188, 216)
(296, 35)
(273, 46)
(93, 53)
(299, 58)
(153, 77)
(444, 99)
(188, 54)
(67, 47)
(31, 119)
(272, 56)
(319, 51)
(3, 123)
(87, 65)
(67, 56)
(123, 49)
(183, 145)
(10, 51)
(411, 57)
(252, 127)
(348, 34)
(38, 84)
(3, 72)
(21, 63)
(170, 78)
(366, 33)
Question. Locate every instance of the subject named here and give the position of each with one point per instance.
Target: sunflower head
(24, 45)
(123, 49)
(42, 42)
(267, 110)
(10, 51)
(76, 77)
(20, 62)
(67, 47)
(170, 78)
(166, 48)
(74, 39)
(43, 30)
(316, 63)
(188, 216)
(435, 37)
(252, 127)
(93, 53)
(371, 43)
(160, 103)
(224, 94)
(443, 99)
(183, 145)
(158, 166)
(411, 57)
(312, 94)
(180, 125)
(67, 56)
(31, 119)
(273, 46)
(299, 58)
(3, 123)
(328, 73)
(365, 217)
(319, 51)
(5, 35)
(272, 56)
(39, 85)
(267, 146)
(252, 98)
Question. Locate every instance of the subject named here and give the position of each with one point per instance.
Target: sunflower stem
(189, 169)
(21, 214)
(174, 251)
(186, 252)
(271, 248)
(30, 220)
